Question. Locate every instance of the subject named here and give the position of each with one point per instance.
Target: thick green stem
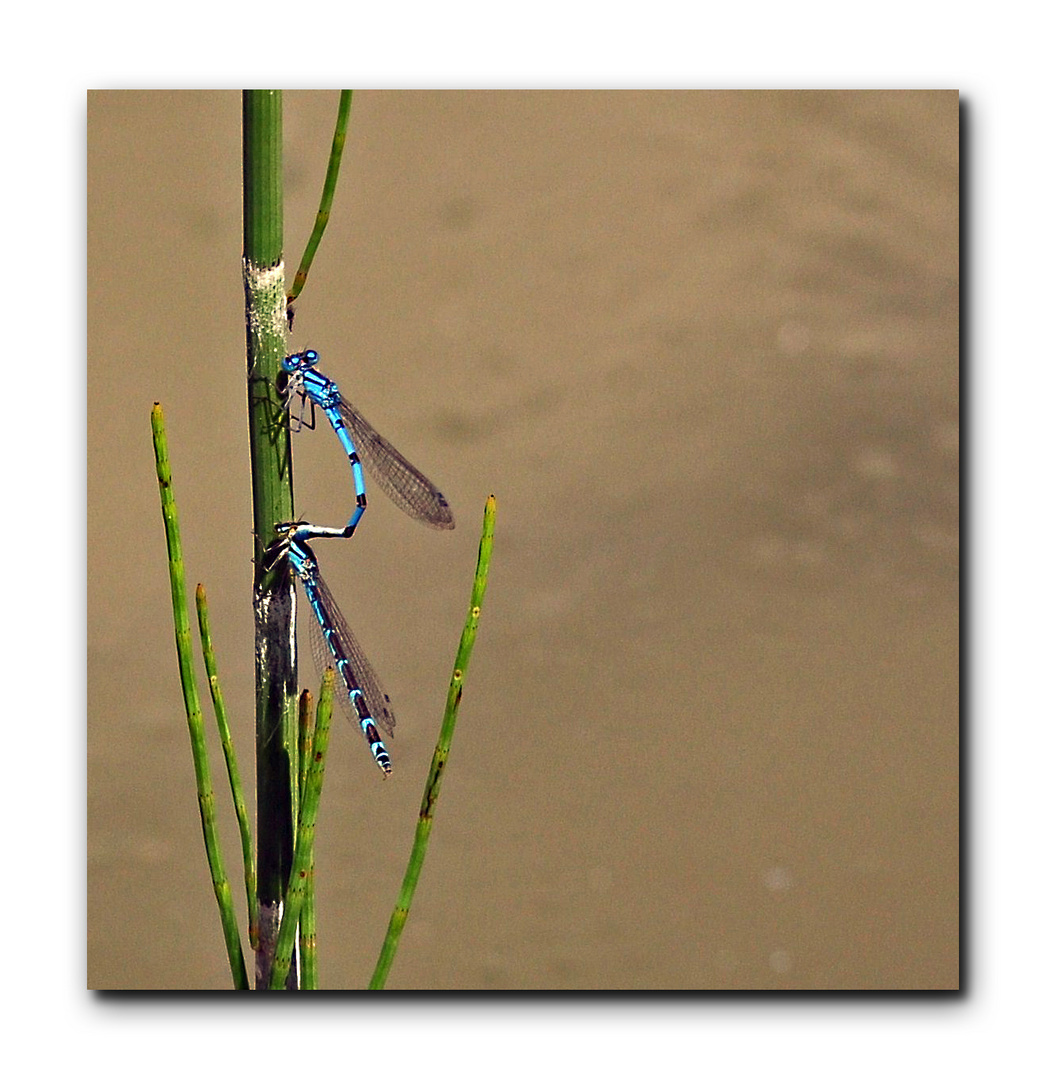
(275, 666)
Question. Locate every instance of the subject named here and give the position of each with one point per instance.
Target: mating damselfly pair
(358, 688)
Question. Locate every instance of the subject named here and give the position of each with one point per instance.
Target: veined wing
(408, 488)
(344, 643)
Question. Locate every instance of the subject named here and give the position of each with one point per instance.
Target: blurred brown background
(703, 346)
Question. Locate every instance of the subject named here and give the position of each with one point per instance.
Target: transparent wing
(343, 646)
(408, 488)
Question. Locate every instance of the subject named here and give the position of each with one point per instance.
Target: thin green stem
(303, 847)
(439, 758)
(327, 198)
(193, 714)
(307, 937)
(235, 784)
(305, 734)
(276, 741)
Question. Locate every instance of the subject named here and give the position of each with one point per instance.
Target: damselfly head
(291, 542)
(301, 361)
